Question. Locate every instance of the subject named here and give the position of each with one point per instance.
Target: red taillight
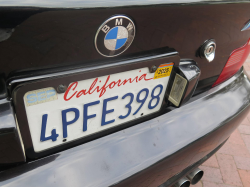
(234, 63)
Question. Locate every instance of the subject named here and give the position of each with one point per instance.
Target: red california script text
(102, 89)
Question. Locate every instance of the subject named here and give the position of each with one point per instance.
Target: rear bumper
(149, 153)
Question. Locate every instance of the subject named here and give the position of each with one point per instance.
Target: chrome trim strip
(92, 68)
(77, 4)
(246, 27)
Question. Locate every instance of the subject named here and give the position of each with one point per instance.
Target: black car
(119, 93)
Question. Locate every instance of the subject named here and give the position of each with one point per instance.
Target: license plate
(93, 105)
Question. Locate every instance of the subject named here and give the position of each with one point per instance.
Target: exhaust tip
(195, 176)
(184, 182)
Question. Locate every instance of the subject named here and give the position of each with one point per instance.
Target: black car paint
(10, 143)
(56, 37)
(53, 35)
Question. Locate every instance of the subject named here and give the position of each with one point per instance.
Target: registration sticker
(40, 96)
(163, 70)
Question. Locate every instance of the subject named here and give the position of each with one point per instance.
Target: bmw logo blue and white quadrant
(114, 36)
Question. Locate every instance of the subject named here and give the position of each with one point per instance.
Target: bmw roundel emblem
(114, 36)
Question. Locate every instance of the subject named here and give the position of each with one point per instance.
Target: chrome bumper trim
(150, 149)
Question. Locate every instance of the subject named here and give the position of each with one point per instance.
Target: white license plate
(93, 105)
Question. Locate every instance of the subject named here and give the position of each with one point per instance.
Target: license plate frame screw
(61, 88)
(153, 68)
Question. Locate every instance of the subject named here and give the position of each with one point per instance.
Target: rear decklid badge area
(114, 36)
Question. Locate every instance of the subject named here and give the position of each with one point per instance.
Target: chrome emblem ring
(114, 36)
